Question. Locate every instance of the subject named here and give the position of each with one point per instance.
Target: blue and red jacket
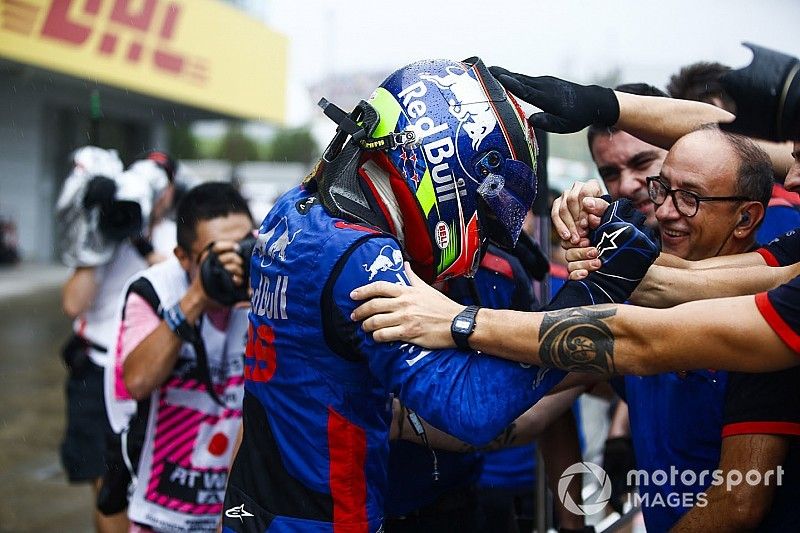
(317, 403)
(501, 282)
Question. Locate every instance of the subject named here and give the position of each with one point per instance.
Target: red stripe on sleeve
(764, 428)
(768, 257)
(347, 445)
(497, 264)
(777, 323)
(341, 224)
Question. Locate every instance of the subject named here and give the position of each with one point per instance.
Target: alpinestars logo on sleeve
(237, 512)
(609, 241)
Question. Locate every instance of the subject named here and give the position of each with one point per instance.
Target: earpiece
(745, 218)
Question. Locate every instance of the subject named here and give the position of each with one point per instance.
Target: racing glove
(626, 247)
(567, 107)
(767, 96)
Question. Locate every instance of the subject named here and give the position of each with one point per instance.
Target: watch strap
(176, 322)
(463, 325)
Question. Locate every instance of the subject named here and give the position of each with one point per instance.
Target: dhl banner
(201, 53)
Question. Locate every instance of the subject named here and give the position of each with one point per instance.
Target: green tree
(182, 142)
(236, 146)
(293, 144)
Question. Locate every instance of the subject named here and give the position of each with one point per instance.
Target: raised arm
(662, 121)
(569, 107)
(468, 395)
(667, 286)
(79, 291)
(726, 334)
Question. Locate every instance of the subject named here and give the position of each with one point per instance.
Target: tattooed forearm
(578, 339)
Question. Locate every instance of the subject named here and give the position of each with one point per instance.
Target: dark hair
(642, 89)
(205, 202)
(700, 82)
(754, 175)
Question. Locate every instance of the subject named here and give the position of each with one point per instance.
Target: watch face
(462, 325)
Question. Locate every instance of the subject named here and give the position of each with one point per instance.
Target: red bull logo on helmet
(468, 103)
(437, 151)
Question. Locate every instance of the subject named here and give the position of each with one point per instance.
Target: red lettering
(108, 43)
(167, 61)
(134, 52)
(163, 59)
(170, 20)
(259, 355)
(92, 6)
(59, 26)
(140, 19)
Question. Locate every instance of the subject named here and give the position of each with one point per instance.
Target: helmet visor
(504, 198)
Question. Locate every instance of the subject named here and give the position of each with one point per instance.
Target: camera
(218, 283)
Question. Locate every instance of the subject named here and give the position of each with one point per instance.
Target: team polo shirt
(676, 422)
(769, 403)
(780, 307)
(782, 251)
(782, 214)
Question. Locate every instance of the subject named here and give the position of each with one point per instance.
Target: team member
(181, 354)
(623, 161)
(701, 82)
(438, 160)
(746, 333)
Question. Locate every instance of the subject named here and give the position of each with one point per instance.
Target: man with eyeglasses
(744, 333)
(708, 200)
(706, 207)
(623, 161)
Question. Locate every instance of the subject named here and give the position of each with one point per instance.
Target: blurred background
(230, 88)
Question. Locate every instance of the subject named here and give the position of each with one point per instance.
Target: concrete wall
(26, 189)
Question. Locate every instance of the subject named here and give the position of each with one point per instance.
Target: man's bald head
(716, 164)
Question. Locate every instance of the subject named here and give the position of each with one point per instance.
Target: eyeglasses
(687, 203)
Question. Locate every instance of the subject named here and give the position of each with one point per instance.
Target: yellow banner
(201, 53)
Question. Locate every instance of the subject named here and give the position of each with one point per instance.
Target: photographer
(101, 212)
(180, 348)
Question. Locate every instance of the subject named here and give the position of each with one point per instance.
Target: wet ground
(34, 494)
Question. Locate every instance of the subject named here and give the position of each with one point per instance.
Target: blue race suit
(501, 282)
(317, 392)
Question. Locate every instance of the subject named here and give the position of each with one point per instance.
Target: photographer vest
(190, 433)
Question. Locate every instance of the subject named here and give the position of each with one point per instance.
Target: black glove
(568, 107)
(767, 96)
(618, 460)
(218, 283)
(626, 247)
(99, 191)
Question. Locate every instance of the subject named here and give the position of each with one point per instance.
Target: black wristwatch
(463, 325)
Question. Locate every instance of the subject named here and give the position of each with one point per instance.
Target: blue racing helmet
(460, 158)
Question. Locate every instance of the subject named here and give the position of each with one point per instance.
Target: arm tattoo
(578, 339)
